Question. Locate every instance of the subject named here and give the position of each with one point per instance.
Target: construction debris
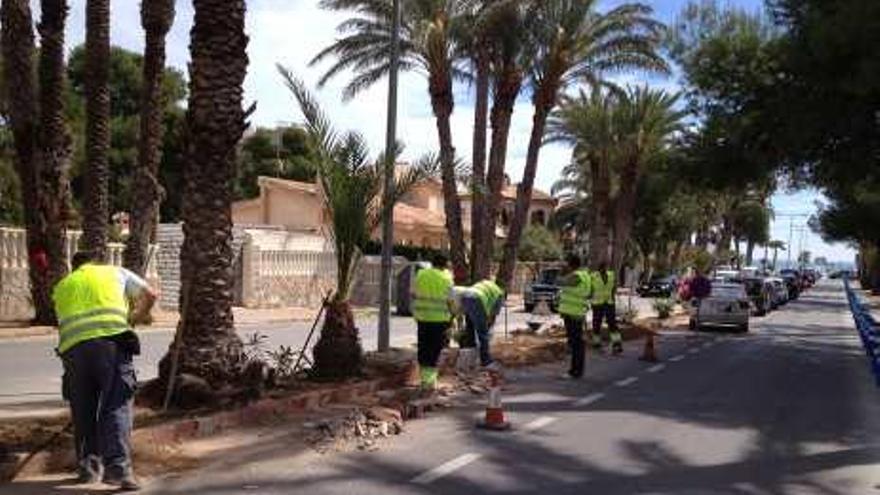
(360, 428)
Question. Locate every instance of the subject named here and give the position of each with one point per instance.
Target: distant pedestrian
(480, 304)
(433, 317)
(573, 306)
(96, 345)
(604, 290)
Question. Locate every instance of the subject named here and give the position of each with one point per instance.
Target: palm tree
(587, 123)
(426, 44)
(20, 84)
(776, 246)
(648, 120)
(351, 185)
(96, 214)
(207, 345)
(55, 142)
(571, 41)
(157, 16)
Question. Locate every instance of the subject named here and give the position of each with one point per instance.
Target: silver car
(727, 305)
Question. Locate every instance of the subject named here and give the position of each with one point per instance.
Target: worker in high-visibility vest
(94, 305)
(573, 306)
(480, 304)
(433, 317)
(604, 291)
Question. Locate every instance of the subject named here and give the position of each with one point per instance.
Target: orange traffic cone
(494, 419)
(650, 353)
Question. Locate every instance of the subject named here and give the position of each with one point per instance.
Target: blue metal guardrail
(868, 329)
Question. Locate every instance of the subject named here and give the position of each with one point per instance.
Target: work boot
(89, 472)
(617, 348)
(125, 483)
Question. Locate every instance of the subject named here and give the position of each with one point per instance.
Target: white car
(727, 305)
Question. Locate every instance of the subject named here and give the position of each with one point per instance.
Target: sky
(291, 32)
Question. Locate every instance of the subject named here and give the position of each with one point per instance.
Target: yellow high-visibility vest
(90, 304)
(603, 292)
(489, 293)
(573, 299)
(431, 303)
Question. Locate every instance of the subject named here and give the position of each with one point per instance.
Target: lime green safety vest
(432, 296)
(573, 298)
(489, 293)
(603, 292)
(90, 304)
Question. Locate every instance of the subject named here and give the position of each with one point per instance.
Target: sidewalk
(163, 320)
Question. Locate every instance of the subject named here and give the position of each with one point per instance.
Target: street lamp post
(388, 218)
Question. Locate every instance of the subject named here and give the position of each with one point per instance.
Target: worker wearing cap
(480, 303)
(573, 306)
(96, 345)
(604, 290)
(433, 317)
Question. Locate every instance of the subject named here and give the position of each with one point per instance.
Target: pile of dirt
(361, 428)
(525, 348)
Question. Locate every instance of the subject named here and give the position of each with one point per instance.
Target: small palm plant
(351, 185)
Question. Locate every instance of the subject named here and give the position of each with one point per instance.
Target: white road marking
(678, 358)
(626, 382)
(539, 423)
(445, 469)
(693, 350)
(656, 368)
(586, 401)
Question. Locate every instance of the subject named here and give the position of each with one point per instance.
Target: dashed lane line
(656, 368)
(693, 350)
(678, 358)
(626, 382)
(445, 469)
(539, 423)
(589, 399)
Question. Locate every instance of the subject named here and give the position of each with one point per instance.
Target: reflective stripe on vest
(603, 292)
(431, 296)
(90, 304)
(489, 293)
(573, 299)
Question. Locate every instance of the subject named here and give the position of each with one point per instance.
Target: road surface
(790, 408)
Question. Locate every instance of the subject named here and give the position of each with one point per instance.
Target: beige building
(419, 218)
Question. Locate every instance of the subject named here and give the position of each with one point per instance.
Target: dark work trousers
(432, 340)
(574, 328)
(478, 327)
(100, 383)
(605, 312)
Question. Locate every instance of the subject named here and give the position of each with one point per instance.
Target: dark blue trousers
(100, 383)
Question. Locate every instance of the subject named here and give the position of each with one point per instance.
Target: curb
(251, 414)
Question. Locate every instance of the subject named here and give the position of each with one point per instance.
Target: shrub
(663, 307)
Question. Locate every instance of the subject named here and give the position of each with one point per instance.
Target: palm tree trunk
(544, 101)
(338, 353)
(442, 103)
(479, 256)
(157, 16)
(624, 213)
(215, 119)
(599, 235)
(55, 140)
(96, 204)
(506, 91)
(18, 61)
(750, 252)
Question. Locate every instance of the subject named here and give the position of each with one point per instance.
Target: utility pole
(388, 209)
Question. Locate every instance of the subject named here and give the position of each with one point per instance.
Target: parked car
(792, 281)
(545, 287)
(728, 305)
(659, 286)
(760, 291)
(780, 292)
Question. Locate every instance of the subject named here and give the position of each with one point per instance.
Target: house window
(539, 217)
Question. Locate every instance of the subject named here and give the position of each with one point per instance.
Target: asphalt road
(790, 408)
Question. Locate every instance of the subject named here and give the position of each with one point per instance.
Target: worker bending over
(96, 345)
(480, 304)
